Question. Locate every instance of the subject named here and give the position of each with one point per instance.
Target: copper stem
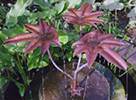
(75, 84)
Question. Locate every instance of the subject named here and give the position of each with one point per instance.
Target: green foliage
(63, 38)
(3, 11)
(12, 55)
(42, 4)
(16, 10)
(60, 6)
(6, 58)
(34, 60)
(34, 16)
(73, 3)
(3, 81)
(21, 88)
(11, 32)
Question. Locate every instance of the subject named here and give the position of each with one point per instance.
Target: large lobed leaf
(41, 35)
(16, 10)
(83, 16)
(94, 42)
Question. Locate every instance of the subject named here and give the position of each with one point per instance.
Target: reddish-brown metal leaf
(86, 8)
(94, 42)
(32, 28)
(94, 20)
(43, 26)
(83, 16)
(105, 36)
(46, 35)
(70, 16)
(44, 47)
(32, 46)
(113, 57)
(77, 43)
(91, 56)
(93, 25)
(79, 50)
(93, 14)
(91, 34)
(52, 31)
(111, 43)
(50, 28)
(21, 38)
(77, 13)
(56, 42)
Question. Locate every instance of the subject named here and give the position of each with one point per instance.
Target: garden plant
(40, 29)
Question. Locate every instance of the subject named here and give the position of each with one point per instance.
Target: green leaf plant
(92, 43)
(16, 10)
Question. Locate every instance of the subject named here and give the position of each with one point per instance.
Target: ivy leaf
(34, 16)
(88, 1)
(69, 55)
(5, 58)
(10, 21)
(2, 36)
(34, 60)
(11, 32)
(63, 38)
(73, 3)
(32, 63)
(16, 10)
(21, 88)
(73, 36)
(14, 31)
(42, 4)
(42, 64)
(60, 6)
(3, 81)
(54, 1)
